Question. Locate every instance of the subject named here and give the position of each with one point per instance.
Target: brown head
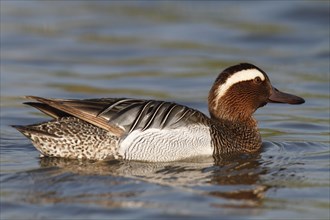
(240, 90)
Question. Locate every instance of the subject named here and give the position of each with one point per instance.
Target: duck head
(240, 90)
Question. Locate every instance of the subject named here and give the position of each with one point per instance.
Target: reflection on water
(236, 185)
(236, 180)
(170, 51)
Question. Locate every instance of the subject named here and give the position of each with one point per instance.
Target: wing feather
(121, 115)
(64, 105)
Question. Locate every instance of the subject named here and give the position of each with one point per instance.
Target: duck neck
(236, 132)
(234, 137)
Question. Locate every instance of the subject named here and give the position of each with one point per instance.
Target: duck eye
(257, 80)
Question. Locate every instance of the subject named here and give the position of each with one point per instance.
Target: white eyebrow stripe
(243, 75)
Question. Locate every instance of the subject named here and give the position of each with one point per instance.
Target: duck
(158, 131)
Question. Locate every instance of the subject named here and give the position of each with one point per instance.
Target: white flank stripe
(243, 75)
(163, 145)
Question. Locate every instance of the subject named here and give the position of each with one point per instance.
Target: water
(169, 51)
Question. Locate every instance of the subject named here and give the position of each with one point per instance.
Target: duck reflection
(234, 178)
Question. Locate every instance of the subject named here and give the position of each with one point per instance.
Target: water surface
(169, 51)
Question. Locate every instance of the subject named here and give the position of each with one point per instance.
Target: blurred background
(171, 51)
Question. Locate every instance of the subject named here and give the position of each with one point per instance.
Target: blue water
(170, 51)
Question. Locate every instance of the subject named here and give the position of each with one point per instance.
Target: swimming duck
(158, 131)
